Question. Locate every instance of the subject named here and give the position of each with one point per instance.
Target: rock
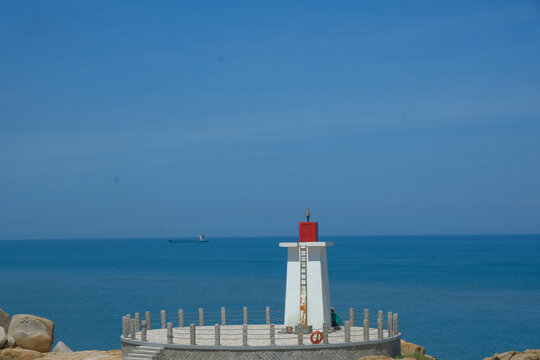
(10, 342)
(19, 354)
(525, 357)
(408, 348)
(4, 320)
(528, 355)
(3, 337)
(515, 355)
(61, 348)
(504, 356)
(534, 352)
(32, 332)
(85, 355)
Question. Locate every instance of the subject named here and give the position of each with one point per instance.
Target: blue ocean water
(462, 297)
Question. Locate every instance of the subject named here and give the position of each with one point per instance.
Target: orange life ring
(318, 337)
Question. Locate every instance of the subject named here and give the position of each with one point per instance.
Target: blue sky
(144, 119)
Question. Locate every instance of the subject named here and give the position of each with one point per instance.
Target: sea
(461, 297)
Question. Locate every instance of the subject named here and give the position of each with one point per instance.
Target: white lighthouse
(307, 295)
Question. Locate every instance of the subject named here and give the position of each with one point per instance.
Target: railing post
(366, 330)
(148, 326)
(137, 321)
(128, 320)
(192, 338)
(325, 331)
(351, 316)
(272, 334)
(244, 310)
(217, 335)
(366, 324)
(389, 325)
(133, 328)
(268, 315)
(395, 325)
(244, 335)
(380, 325)
(124, 327)
(144, 326)
(201, 317)
(347, 331)
(300, 334)
(223, 318)
(181, 317)
(169, 333)
(163, 319)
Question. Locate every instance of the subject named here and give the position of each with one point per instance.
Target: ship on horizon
(201, 239)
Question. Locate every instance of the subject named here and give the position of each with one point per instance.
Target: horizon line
(268, 236)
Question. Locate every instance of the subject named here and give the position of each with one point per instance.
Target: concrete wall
(344, 351)
(292, 288)
(318, 289)
(128, 346)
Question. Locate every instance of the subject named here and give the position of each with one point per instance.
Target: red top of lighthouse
(308, 231)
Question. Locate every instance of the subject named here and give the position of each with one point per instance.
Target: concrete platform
(259, 347)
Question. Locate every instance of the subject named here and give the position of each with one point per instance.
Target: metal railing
(223, 332)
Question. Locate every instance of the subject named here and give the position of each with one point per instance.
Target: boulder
(528, 355)
(3, 337)
(525, 357)
(61, 348)
(10, 342)
(4, 320)
(503, 356)
(19, 354)
(408, 348)
(32, 332)
(535, 352)
(515, 355)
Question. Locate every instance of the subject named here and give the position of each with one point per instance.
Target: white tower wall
(292, 290)
(318, 290)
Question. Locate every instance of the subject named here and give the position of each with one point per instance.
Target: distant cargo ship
(201, 239)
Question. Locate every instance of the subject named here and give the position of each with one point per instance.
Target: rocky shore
(29, 337)
(530, 354)
(24, 336)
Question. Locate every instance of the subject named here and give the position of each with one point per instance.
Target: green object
(338, 320)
